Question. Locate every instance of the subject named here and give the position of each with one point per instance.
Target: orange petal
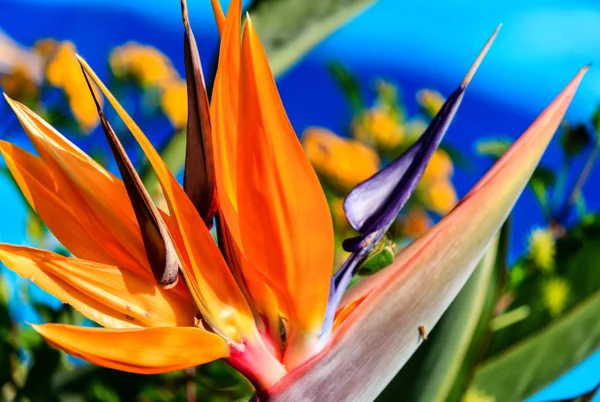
(285, 223)
(211, 284)
(97, 197)
(223, 113)
(111, 296)
(143, 351)
(47, 198)
(219, 16)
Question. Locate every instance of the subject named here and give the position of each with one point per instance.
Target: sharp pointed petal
(110, 296)
(382, 332)
(143, 351)
(206, 274)
(285, 223)
(97, 200)
(161, 254)
(219, 16)
(375, 203)
(199, 173)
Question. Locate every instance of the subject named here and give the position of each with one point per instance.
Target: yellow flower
(475, 395)
(379, 127)
(63, 71)
(542, 249)
(339, 215)
(416, 222)
(439, 167)
(555, 293)
(431, 101)
(174, 102)
(343, 163)
(439, 196)
(143, 63)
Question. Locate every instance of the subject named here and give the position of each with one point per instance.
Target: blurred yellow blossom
(338, 214)
(379, 127)
(63, 71)
(475, 395)
(555, 293)
(439, 196)
(343, 163)
(439, 167)
(19, 83)
(174, 102)
(542, 249)
(431, 101)
(145, 64)
(415, 222)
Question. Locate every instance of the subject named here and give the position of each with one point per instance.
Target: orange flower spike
(219, 16)
(285, 223)
(206, 274)
(223, 113)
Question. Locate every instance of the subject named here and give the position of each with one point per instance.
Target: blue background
(418, 44)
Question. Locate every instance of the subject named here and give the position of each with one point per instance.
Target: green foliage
(381, 256)
(535, 361)
(442, 367)
(291, 28)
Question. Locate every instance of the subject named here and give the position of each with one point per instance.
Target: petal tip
(480, 57)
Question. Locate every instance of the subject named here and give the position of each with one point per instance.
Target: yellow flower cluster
(555, 294)
(379, 127)
(415, 222)
(145, 64)
(475, 395)
(150, 68)
(542, 249)
(435, 188)
(383, 129)
(341, 162)
(63, 71)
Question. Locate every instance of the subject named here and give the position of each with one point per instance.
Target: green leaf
(539, 359)
(5, 326)
(289, 29)
(574, 251)
(441, 369)
(493, 147)
(381, 256)
(575, 139)
(349, 85)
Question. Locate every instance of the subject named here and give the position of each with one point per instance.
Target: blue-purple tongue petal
(374, 204)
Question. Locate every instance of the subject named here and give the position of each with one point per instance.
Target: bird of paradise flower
(263, 298)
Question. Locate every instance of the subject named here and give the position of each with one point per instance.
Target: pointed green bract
(379, 336)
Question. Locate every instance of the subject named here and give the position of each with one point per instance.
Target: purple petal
(374, 204)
